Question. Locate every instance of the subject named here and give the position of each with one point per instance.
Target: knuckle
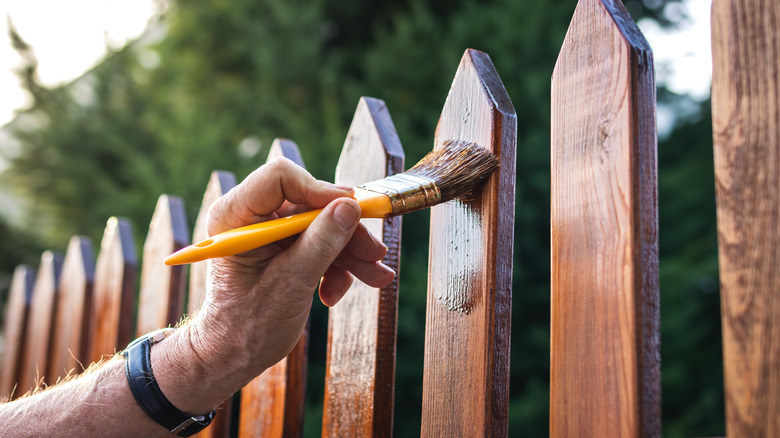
(323, 246)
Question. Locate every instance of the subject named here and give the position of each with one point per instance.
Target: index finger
(265, 190)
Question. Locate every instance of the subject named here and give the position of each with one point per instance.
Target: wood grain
(71, 334)
(605, 358)
(360, 370)
(746, 131)
(272, 404)
(161, 301)
(14, 328)
(468, 314)
(219, 184)
(35, 358)
(115, 291)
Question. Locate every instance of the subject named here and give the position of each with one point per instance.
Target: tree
(225, 78)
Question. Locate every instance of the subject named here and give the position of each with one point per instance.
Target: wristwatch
(148, 394)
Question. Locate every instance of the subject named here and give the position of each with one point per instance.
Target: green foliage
(158, 116)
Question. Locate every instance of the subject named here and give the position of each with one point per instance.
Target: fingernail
(383, 267)
(346, 188)
(345, 215)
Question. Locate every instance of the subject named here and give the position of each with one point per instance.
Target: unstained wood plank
(272, 404)
(35, 358)
(219, 183)
(71, 335)
(605, 358)
(161, 301)
(115, 290)
(360, 369)
(14, 328)
(746, 133)
(468, 314)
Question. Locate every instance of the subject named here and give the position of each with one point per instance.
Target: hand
(258, 302)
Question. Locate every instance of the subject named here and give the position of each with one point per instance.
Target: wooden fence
(605, 348)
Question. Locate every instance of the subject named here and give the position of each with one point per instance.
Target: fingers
(334, 285)
(265, 190)
(307, 260)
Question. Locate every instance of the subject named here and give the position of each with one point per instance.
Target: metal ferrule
(406, 192)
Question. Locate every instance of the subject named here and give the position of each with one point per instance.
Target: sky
(683, 59)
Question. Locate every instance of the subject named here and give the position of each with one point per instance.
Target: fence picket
(114, 292)
(272, 404)
(161, 301)
(360, 370)
(745, 120)
(467, 329)
(39, 322)
(14, 328)
(605, 358)
(219, 184)
(71, 323)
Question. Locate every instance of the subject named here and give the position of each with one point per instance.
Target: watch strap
(148, 395)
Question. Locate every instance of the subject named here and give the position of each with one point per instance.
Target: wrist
(192, 379)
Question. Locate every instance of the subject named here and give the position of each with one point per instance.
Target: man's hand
(258, 302)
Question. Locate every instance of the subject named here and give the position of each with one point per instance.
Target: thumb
(319, 245)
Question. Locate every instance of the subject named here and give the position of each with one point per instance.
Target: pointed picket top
(468, 310)
(70, 336)
(14, 328)
(219, 183)
(161, 301)
(604, 223)
(40, 322)
(360, 371)
(281, 147)
(114, 292)
(272, 404)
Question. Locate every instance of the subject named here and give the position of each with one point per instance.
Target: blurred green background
(214, 82)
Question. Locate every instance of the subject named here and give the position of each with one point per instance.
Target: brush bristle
(457, 168)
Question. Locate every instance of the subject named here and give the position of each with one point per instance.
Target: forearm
(99, 402)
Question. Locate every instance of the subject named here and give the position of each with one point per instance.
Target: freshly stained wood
(14, 328)
(39, 323)
(746, 130)
(71, 335)
(272, 404)
(360, 370)
(219, 184)
(605, 359)
(468, 315)
(161, 301)
(115, 291)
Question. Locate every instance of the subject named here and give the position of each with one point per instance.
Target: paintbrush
(446, 173)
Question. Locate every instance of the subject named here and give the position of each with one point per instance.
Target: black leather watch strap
(148, 394)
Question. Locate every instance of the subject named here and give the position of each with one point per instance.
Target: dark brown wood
(605, 358)
(272, 405)
(161, 301)
(71, 323)
(468, 315)
(14, 329)
(35, 358)
(114, 291)
(360, 370)
(746, 131)
(219, 184)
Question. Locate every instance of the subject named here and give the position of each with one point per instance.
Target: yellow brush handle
(253, 236)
